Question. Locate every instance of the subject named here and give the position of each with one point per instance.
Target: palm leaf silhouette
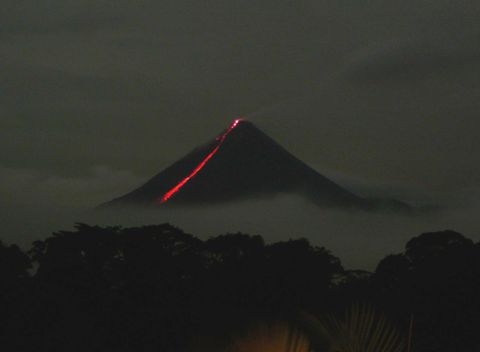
(361, 329)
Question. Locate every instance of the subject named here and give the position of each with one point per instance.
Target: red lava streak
(202, 164)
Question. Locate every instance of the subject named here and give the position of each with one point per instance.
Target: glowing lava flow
(202, 164)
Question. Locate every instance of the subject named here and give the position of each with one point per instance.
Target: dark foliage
(156, 288)
(437, 279)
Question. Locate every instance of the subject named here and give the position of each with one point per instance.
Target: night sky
(98, 96)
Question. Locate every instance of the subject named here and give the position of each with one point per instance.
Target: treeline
(156, 288)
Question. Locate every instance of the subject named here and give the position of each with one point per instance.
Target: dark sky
(98, 96)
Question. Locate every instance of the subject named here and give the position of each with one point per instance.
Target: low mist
(360, 239)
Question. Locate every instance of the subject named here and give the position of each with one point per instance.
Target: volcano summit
(241, 163)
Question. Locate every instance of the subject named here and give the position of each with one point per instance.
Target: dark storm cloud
(72, 24)
(417, 61)
(27, 86)
(52, 118)
(47, 17)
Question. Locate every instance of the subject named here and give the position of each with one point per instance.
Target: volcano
(242, 163)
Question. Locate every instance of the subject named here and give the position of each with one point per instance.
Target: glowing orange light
(202, 164)
(278, 337)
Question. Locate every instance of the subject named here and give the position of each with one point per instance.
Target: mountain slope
(242, 162)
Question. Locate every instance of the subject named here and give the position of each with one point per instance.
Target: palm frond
(361, 329)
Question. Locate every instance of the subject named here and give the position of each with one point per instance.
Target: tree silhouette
(14, 265)
(156, 288)
(438, 280)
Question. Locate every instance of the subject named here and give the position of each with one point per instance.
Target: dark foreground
(155, 288)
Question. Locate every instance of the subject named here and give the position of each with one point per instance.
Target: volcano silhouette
(241, 163)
